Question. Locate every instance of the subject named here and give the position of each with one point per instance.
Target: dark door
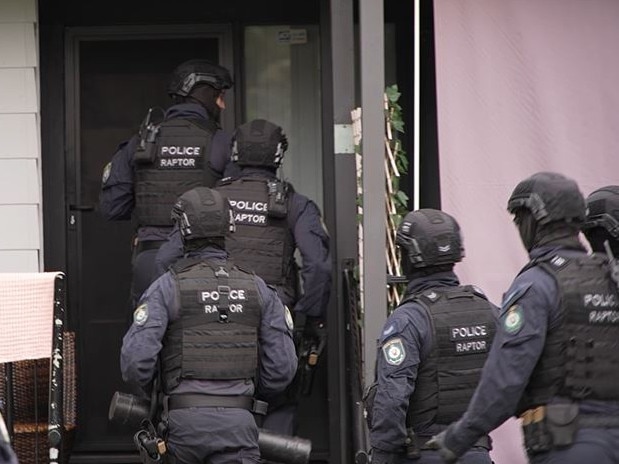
(113, 78)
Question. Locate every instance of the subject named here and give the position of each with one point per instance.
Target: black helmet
(193, 72)
(549, 197)
(430, 237)
(603, 210)
(202, 213)
(259, 143)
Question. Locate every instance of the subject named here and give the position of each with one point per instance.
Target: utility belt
(555, 426)
(196, 400)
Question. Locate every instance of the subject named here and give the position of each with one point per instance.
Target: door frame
(74, 37)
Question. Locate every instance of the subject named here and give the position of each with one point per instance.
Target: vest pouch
(368, 402)
(145, 153)
(562, 422)
(276, 205)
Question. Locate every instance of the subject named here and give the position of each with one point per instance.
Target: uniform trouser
(213, 436)
(282, 420)
(595, 446)
(143, 273)
(475, 455)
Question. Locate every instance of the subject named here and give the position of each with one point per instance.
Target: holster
(562, 422)
(151, 447)
(548, 427)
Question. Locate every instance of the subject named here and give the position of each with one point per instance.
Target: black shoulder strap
(184, 263)
(207, 124)
(223, 307)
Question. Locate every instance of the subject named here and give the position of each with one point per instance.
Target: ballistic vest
(463, 329)
(581, 356)
(216, 334)
(179, 162)
(261, 242)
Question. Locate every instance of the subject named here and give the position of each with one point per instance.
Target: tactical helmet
(430, 237)
(550, 197)
(193, 72)
(603, 210)
(259, 143)
(202, 213)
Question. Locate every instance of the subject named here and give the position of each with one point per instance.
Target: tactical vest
(580, 359)
(179, 163)
(261, 242)
(463, 329)
(216, 335)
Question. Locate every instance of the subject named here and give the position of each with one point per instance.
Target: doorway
(113, 75)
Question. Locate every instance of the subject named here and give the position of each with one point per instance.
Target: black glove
(437, 442)
(383, 457)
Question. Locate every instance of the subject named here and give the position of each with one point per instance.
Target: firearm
(146, 149)
(127, 409)
(312, 345)
(612, 263)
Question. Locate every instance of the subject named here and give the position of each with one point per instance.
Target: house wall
(20, 155)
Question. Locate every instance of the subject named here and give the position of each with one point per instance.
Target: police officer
(272, 220)
(432, 348)
(555, 359)
(221, 335)
(602, 223)
(150, 171)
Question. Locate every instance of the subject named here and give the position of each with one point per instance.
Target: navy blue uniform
(515, 351)
(214, 435)
(396, 383)
(117, 200)
(311, 239)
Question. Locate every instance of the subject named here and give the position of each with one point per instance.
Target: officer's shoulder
(244, 270)
(477, 291)
(408, 312)
(226, 180)
(398, 322)
(271, 287)
(537, 275)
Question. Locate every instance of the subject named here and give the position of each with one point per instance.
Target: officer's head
(546, 206)
(259, 143)
(203, 82)
(429, 241)
(602, 222)
(204, 218)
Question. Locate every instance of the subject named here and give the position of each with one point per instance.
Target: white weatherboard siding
(20, 156)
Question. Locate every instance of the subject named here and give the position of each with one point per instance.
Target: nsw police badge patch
(394, 352)
(289, 321)
(513, 320)
(140, 315)
(106, 173)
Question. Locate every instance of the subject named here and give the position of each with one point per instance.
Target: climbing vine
(396, 166)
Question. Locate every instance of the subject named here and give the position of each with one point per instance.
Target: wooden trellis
(395, 200)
